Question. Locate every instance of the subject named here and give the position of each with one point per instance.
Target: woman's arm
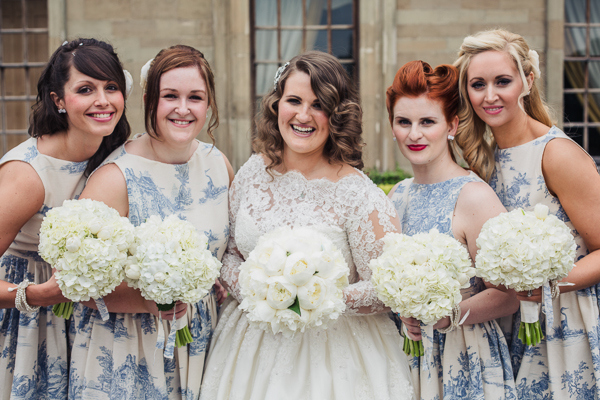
(571, 176)
(476, 204)
(21, 197)
(107, 184)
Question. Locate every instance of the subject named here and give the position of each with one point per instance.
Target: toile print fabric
(33, 346)
(117, 359)
(473, 361)
(359, 356)
(566, 364)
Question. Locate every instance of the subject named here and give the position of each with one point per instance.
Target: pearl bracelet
(454, 320)
(21, 297)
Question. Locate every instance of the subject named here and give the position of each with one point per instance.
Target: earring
(450, 137)
(528, 93)
(394, 138)
(62, 111)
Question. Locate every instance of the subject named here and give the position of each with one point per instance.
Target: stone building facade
(389, 33)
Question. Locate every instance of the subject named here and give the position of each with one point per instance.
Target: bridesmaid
(165, 171)
(533, 162)
(78, 119)
(471, 361)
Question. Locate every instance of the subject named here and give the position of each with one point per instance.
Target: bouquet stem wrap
(179, 334)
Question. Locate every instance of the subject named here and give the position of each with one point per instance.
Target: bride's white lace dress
(360, 355)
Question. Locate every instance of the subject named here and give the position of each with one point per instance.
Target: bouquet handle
(102, 308)
(530, 331)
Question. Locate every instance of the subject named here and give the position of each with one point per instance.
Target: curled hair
(339, 100)
(474, 136)
(178, 56)
(416, 78)
(95, 59)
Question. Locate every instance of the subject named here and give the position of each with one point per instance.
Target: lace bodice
(353, 212)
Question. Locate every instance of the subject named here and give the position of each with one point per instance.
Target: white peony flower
(293, 267)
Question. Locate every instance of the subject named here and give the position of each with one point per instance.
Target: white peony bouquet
(421, 276)
(293, 280)
(171, 262)
(523, 251)
(86, 241)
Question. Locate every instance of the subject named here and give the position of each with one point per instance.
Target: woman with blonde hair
(306, 173)
(529, 161)
(166, 171)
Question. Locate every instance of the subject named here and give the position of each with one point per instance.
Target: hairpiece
(65, 42)
(278, 74)
(534, 58)
(144, 73)
(128, 83)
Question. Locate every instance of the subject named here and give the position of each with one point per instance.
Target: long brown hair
(339, 100)
(178, 56)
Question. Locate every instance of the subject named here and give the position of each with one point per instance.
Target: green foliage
(387, 177)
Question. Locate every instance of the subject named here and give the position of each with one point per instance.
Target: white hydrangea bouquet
(86, 241)
(524, 250)
(293, 280)
(170, 262)
(421, 276)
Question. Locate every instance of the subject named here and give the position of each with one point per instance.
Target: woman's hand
(530, 295)
(413, 327)
(179, 310)
(221, 292)
(45, 294)
(442, 323)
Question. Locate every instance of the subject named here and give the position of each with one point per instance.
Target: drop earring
(450, 137)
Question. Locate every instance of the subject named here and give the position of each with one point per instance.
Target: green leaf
(295, 307)
(165, 307)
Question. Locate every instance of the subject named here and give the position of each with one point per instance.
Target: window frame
(25, 64)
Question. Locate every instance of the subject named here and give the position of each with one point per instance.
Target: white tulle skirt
(357, 357)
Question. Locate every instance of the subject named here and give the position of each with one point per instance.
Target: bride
(306, 173)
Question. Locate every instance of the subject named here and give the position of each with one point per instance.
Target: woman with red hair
(470, 361)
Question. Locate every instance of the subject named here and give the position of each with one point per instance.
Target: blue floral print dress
(566, 364)
(117, 359)
(473, 361)
(33, 346)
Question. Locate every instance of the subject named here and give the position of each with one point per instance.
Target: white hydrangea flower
(86, 242)
(288, 266)
(523, 250)
(421, 276)
(171, 262)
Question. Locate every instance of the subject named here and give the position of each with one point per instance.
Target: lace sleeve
(232, 257)
(371, 221)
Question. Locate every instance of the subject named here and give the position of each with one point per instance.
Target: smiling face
(182, 106)
(93, 106)
(421, 130)
(494, 86)
(304, 126)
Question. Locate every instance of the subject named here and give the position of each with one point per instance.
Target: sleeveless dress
(566, 364)
(33, 346)
(117, 359)
(473, 361)
(359, 356)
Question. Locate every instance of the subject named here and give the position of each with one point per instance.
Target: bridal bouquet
(523, 251)
(293, 280)
(421, 276)
(86, 242)
(170, 262)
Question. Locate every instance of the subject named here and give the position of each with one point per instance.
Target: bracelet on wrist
(21, 297)
(454, 320)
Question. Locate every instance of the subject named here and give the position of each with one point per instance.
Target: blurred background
(245, 42)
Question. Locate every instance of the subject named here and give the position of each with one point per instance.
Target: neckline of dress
(66, 162)
(139, 135)
(360, 176)
(471, 173)
(537, 139)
